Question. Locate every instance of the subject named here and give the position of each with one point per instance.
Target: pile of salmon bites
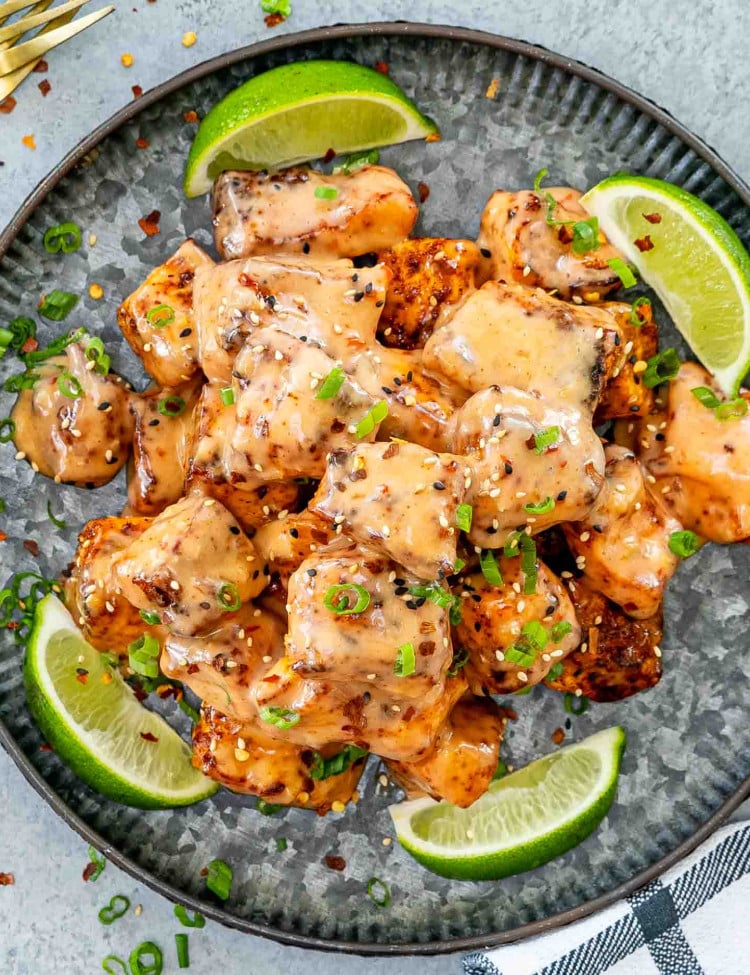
(365, 490)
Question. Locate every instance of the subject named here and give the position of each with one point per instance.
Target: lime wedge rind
(296, 113)
(96, 728)
(706, 292)
(535, 819)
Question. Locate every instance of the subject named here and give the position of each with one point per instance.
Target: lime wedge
(299, 112)
(697, 265)
(97, 726)
(523, 820)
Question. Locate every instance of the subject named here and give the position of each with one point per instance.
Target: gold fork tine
(19, 27)
(10, 82)
(38, 46)
(12, 6)
(36, 9)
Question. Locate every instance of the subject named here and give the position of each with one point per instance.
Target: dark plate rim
(9, 234)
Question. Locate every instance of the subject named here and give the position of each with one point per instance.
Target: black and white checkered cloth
(694, 920)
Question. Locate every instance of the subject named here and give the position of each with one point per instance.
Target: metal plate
(689, 741)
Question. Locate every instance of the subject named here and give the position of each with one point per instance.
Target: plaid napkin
(694, 920)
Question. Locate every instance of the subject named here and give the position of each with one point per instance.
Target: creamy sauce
(258, 213)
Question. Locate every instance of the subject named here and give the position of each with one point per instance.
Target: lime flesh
(97, 726)
(697, 265)
(299, 112)
(523, 820)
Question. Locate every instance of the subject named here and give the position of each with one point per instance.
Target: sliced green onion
(283, 718)
(57, 305)
(585, 236)
(7, 425)
(406, 661)
(458, 565)
(54, 348)
(545, 438)
(519, 543)
(324, 768)
(357, 160)
(464, 515)
(171, 406)
(555, 671)
(146, 950)
(732, 410)
(634, 318)
(540, 507)
(2, 506)
(501, 771)
(283, 7)
(219, 877)
(117, 908)
(623, 272)
(706, 397)
(520, 654)
(57, 522)
(95, 353)
(460, 660)
(541, 175)
(379, 892)
(371, 419)
(21, 381)
(65, 237)
(661, 368)
(536, 634)
(150, 616)
(196, 921)
(331, 384)
(113, 959)
(435, 592)
(227, 396)
(338, 599)
(21, 329)
(99, 864)
(575, 704)
(160, 316)
(281, 844)
(267, 808)
(326, 192)
(143, 655)
(560, 630)
(228, 597)
(68, 385)
(551, 207)
(683, 543)
(183, 950)
(490, 570)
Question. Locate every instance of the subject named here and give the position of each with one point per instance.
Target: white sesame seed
(523, 677)
(657, 651)
(585, 536)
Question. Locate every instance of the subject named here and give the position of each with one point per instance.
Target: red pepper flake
(29, 141)
(7, 879)
(7, 105)
(194, 668)
(46, 747)
(492, 89)
(382, 67)
(82, 678)
(150, 224)
(147, 736)
(31, 546)
(273, 20)
(45, 87)
(137, 91)
(330, 154)
(558, 736)
(424, 191)
(191, 116)
(644, 243)
(30, 345)
(433, 137)
(12, 625)
(89, 870)
(142, 143)
(3, 536)
(140, 694)
(204, 871)
(652, 217)
(41, 67)
(335, 863)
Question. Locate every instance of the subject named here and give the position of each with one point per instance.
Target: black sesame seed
(549, 610)
(387, 390)
(476, 597)
(400, 582)
(491, 530)
(484, 252)
(366, 260)
(368, 288)
(266, 570)
(305, 248)
(103, 406)
(401, 590)
(438, 485)
(421, 601)
(598, 529)
(185, 332)
(496, 420)
(262, 491)
(294, 533)
(396, 380)
(660, 437)
(205, 605)
(153, 423)
(617, 339)
(477, 626)
(112, 460)
(359, 296)
(234, 529)
(409, 376)
(508, 467)
(379, 304)
(312, 572)
(256, 573)
(303, 338)
(562, 495)
(635, 409)
(355, 277)
(271, 301)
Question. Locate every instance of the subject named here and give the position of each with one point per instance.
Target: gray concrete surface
(691, 57)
